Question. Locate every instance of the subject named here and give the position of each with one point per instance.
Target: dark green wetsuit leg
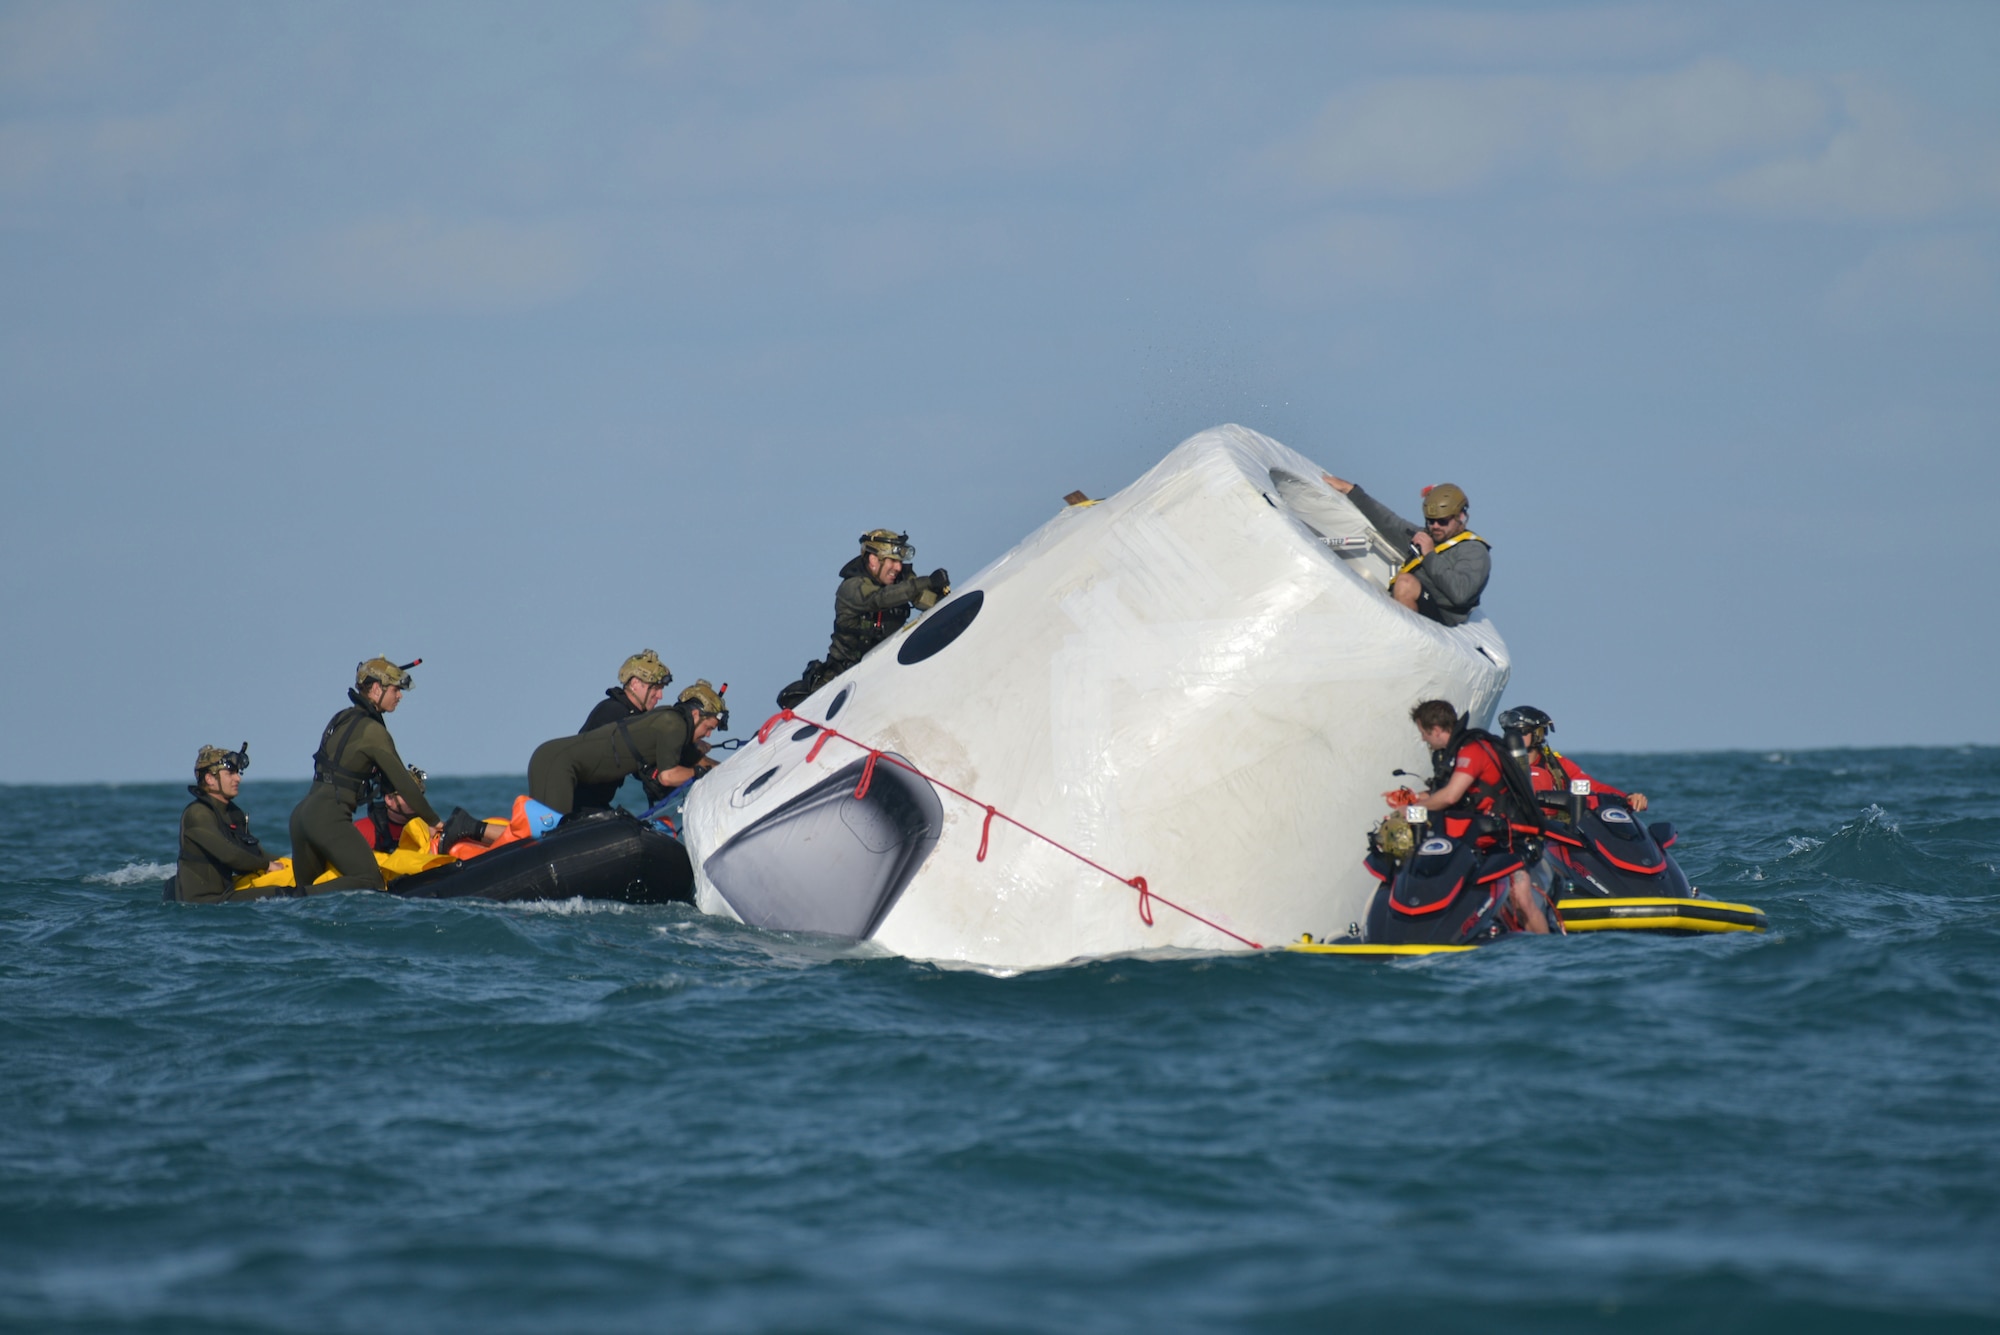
(306, 863)
(551, 781)
(324, 835)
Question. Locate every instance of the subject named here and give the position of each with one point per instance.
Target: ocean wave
(568, 907)
(133, 873)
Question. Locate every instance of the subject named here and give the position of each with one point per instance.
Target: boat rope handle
(1147, 896)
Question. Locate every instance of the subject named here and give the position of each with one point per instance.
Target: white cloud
(68, 157)
(1880, 163)
(1442, 136)
(1944, 280)
(988, 103)
(414, 262)
(1713, 134)
(1541, 38)
(47, 47)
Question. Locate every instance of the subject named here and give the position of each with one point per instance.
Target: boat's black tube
(607, 855)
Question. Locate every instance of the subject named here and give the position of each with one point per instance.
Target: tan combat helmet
(709, 701)
(647, 667)
(214, 757)
(1443, 501)
(382, 670)
(887, 542)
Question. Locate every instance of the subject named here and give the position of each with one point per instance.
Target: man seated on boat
(1469, 768)
(1449, 564)
(1549, 769)
(642, 680)
(872, 603)
(216, 843)
(651, 745)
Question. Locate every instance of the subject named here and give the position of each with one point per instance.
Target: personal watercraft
(1444, 891)
(1599, 869)
(1618, 874)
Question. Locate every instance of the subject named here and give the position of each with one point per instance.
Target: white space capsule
(1199, 682)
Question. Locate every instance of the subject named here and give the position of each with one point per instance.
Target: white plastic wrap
(1196, 681)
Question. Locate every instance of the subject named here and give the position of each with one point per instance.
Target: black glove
(940, 579)
(461, 825)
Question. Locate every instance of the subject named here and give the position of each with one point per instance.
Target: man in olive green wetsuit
(216, 843)
(642, 679)
(872, 603)
(647, 746)
(355, 755)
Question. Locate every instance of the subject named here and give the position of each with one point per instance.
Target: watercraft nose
(828, 862)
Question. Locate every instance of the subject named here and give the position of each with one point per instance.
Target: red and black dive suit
(1551, 772)
(379, 828)
(1500, 806)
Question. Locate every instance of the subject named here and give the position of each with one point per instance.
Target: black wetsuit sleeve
(204, 830)
(885, 596)
(1387, 522)
(378, 746)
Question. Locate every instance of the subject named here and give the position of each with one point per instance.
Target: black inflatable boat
(605, 855)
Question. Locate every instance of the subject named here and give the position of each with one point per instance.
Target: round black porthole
(940, 628)
(760, 781)
(839, 701)
(805, 732)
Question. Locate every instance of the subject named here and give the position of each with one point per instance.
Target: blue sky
(520, 337)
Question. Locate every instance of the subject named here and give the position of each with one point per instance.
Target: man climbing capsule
(1449, 564)
(652, 745)
(872, 603)
(356, 757)
(642, 680)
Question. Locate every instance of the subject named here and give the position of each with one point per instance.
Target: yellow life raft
(412, 855)
(1664, 916)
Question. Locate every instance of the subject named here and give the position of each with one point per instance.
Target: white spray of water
(133, 873)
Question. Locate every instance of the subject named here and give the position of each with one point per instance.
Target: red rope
(782, 716)
(1146, 895)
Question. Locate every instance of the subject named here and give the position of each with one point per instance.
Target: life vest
(1512, 798)
(382, 833)
(234, 823)
(1445, 546)
(327, 768)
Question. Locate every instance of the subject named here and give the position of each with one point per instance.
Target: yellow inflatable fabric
(413, 854)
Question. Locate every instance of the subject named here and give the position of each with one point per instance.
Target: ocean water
(354, 1113)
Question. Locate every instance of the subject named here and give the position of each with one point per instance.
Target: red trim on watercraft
(1612, 858)
(1418, 911)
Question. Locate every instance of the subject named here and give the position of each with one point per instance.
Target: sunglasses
(1439, 523)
